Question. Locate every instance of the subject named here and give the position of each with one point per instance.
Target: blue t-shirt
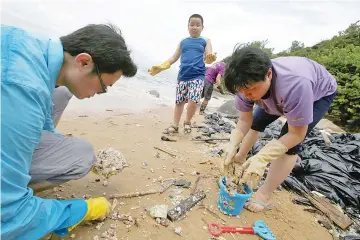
(192, 64)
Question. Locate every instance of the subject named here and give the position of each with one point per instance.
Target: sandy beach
(135, 129)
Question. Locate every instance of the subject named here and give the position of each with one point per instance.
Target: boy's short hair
(105, 44)
(246, 66)
(197, 16)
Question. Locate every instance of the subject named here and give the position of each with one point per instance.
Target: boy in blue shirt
(193, 51)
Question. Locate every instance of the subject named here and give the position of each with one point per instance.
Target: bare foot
(259, 202)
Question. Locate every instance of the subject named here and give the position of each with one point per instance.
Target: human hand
(159, 68)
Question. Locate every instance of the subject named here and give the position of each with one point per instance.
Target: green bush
(341, 57)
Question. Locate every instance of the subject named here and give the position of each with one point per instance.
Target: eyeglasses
(103, 86)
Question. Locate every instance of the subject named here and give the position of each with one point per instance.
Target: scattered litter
(99, 225)
(185, 205)
(105, 183)
(167, 139)
(109, 234)
(217, 123)
(178, 231)
(182, 183)
(114, 204)
(124, 218)
(194, 173)
(158, 211)
(234, 186)
(86, 196)
(72, 235)
(109, 162)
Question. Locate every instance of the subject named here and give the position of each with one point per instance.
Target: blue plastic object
(261, 229)
(232, 205)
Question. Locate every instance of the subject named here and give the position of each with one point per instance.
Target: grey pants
(59, 158)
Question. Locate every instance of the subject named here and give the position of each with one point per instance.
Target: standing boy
(192, 71)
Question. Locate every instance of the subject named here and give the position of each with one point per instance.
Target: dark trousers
(261, 119)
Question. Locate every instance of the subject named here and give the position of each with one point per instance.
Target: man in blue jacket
(86, 61)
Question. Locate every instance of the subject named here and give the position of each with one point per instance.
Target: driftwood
(210, 139)
(195, 185)
(329, 210)
(166, 186)
(197, 182)
(172, 155)
(185, 205)
(134, 194)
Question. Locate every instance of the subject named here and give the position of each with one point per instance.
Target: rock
(228, 108)
(178, 231)
(154, 93)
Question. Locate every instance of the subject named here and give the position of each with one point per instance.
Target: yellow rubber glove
(235, 139)
(97, 208)
(254, 167)
(158, 68)
(210, 58)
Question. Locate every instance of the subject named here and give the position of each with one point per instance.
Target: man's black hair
(246, 66)
(105, 44)
(197, 16)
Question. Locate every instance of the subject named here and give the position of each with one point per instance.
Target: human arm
(218, 79)
(175, 56)
(210, 57)
(242, 127)
(167, 64)
(298, 109)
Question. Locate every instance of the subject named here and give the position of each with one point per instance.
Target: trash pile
(218, 124)
(109, 162)
(332, 170)
(328, 166)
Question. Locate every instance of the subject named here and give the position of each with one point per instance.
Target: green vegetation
(341, 57)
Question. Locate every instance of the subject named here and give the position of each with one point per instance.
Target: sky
(153, 28)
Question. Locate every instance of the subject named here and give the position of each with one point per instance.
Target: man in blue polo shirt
(85, 62)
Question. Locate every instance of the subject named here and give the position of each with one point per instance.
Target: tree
(295, 45)
(261, 45)
(341, 57)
